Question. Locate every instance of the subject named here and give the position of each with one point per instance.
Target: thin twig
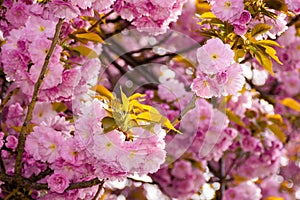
(85, 184)
(24, 129)
(99, 190)
(7, 98)
(41, 175)
(100, 20)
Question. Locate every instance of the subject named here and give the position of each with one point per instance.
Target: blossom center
(42, 28)
(214, 56)
(52, 146)
(227, 4)
(109, 145)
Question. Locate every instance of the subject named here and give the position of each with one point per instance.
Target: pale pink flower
(235, 81)
(58, 183)
(1, 139)
(36, 27)
(64, 9)
(228, 10)
(44, 143)
(293, 5)
(245, 190)
(38, 51)
(82, 4)
(171, 90)
(214, 56)
(102, 5)
(204, 86)
(108, 146)
(42, 111)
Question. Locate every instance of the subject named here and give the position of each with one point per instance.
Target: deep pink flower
(245, 17)
(17, 14)
(58, 183)
(11, 142)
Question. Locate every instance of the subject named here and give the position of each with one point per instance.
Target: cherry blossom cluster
(217, 73)
(219, 118)
(150, 15)
(181, 180)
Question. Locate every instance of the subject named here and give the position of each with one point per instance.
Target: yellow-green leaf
(59, 107)
(239, 53)
(272, 53)
(265, 61)
(125, 101)
(136, 96)
(278, 132)
(239, 179)
(85, 51)
(109, 124)
(273, 198)
(291, 103)
(234, 118)
(260, 29)
(100, 89)
(275, 118)
(267, 43)
(94, 37)
(208, 15)
(157, 118)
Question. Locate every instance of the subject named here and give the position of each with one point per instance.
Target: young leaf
(125, 101)
(260, 29)
(94, 37)
(291, 103)
(85, 51)
(278, 132)
(264, 60)
(59, 107)
(267, 43)
(109, 124)
(100, 89)
(273, 198)
(272, 53)
(208, 15)
(234, 118)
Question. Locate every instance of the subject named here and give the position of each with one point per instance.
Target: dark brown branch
(99, 190)
(24, 129)
(7, 98)
(85, 184)
(100, 20)
(43, 174)
(294, 20)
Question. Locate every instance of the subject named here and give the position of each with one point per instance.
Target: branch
(294, 20)
(100, 20)
(99, 190)
(7, 98)
(85, 184)
(24, 129)
(43, 174)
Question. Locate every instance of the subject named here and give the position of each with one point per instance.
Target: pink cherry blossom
(58, 183)
(228, 10)
(214, 56)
